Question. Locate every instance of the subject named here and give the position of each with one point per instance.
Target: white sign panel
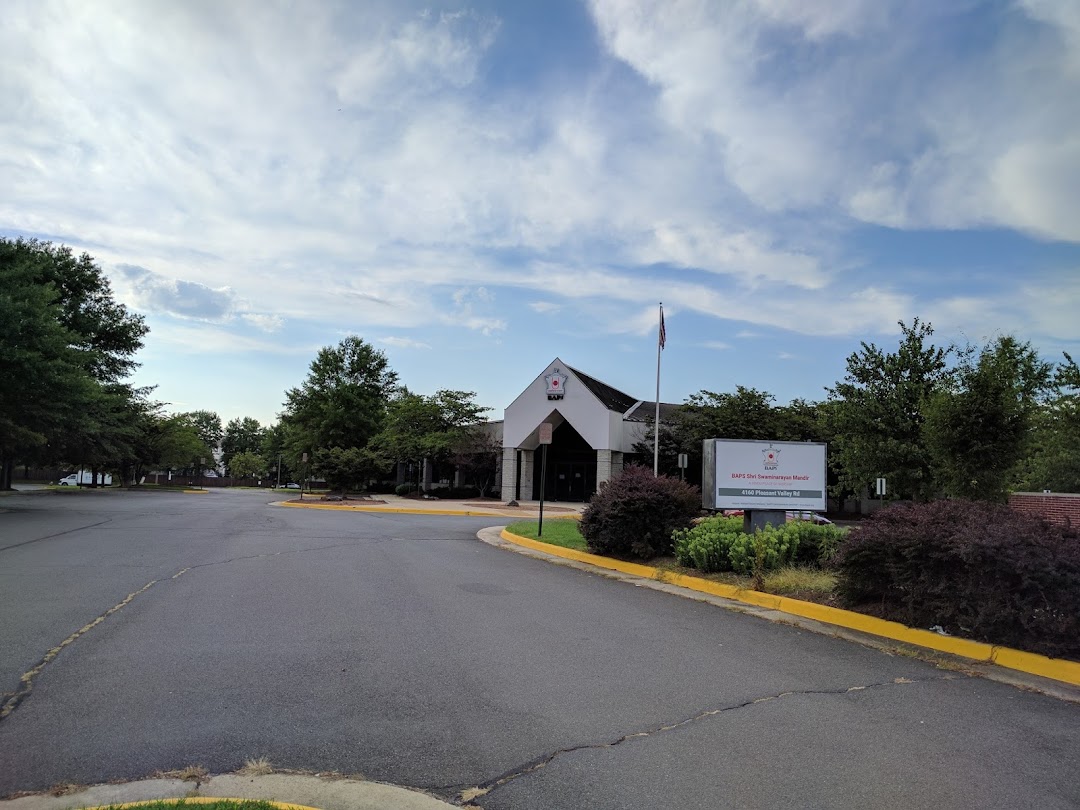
(545, 433)
(769, 475)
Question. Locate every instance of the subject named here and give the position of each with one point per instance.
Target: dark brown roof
(619, 401)
(612, 398)
(646, 412)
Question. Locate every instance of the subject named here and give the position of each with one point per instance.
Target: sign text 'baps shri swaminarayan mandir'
(769, 475)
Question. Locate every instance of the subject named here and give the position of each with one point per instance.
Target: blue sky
(477, 188)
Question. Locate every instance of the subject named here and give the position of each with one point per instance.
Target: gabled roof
(646, 412)
(612, 398)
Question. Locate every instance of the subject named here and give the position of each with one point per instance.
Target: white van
(85, 478)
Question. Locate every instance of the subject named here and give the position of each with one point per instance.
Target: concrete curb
(201, 800)
(1055, 669)
(284, 790)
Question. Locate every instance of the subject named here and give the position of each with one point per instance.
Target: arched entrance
(571, 467)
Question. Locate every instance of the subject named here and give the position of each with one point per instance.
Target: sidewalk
(434, 506)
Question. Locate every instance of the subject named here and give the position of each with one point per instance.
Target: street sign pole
(545, 440)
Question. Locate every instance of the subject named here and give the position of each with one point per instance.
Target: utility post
(545, 440)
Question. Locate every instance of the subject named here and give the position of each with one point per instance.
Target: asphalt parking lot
(402, 648)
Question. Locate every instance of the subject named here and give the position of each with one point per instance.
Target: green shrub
(405, 489)
(707, 546)
(634, 514)
(978, 570)
(817, 545)
(778, 547)
(719, 544)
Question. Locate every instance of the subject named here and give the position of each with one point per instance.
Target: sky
(476, 188)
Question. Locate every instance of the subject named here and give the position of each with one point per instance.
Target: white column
(603, 466)
(509, 473)
(527, 458)
(616, 463)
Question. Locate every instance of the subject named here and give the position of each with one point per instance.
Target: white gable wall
(601, 428)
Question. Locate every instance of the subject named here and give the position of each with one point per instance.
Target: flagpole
(656, 423)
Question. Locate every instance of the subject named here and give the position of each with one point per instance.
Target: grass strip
(557, 531)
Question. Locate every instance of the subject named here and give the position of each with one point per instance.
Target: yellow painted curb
(1056, 669)
(201, 800)
(393, 510)
(195, 491)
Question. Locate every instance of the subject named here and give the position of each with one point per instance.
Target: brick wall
(1057, 507)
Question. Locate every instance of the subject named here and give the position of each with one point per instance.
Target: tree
(247, 465)
(240, 436)
(978, 429)
(1054, 462)
(477, 457)
(431, 427)
(745, 414)
(275, 448)
(208, 423)
(177, 443)
(348, 468)
(65, 344)
(343, 401)
(878, 411)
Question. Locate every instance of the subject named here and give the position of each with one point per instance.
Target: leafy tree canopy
(877, 412)
(240, 436)
(419, 426)
(343, 401)
(978, 428)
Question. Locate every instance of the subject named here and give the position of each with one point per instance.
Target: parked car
(292, 485)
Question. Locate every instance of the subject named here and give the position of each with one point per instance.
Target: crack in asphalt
(26, 682)
(469, 795)
(11, 700)
(58, 534)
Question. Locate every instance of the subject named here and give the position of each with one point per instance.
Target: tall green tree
(241, 436)
(431, 427)
(65, 346)
(1054, 461)
(978, 429)
(276, 449)
(343, 400)
(208, 424)
(246, 464)
(878, 410)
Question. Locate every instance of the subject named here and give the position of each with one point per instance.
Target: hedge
(979, 570)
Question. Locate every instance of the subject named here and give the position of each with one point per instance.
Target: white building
(595, 427)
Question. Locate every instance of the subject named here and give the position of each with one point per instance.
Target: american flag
(663, 331)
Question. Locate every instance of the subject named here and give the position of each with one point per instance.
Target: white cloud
(264, 321)
(869, 107)
(152, 292)
(716, 345)
(403, 343)
(358, 164)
